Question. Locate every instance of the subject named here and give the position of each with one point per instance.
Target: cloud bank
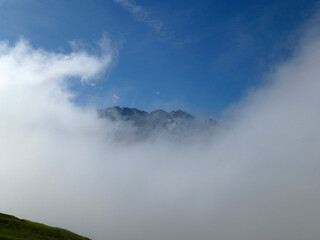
(257, 178)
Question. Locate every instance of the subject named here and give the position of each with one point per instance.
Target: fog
(256, 178)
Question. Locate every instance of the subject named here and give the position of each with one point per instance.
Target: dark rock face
(125, 114)
(178, 123)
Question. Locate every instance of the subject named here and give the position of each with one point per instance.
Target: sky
(256, 176)
(199, 56)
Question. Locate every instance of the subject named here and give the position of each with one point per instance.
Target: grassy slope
(12, 228)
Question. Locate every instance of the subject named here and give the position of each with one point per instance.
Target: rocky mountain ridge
(158, 121)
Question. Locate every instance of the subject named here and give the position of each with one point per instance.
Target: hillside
(12, 228)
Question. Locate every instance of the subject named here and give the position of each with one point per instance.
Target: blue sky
(201, 56)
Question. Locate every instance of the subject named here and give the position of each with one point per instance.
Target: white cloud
(256, 179)
(142, 15)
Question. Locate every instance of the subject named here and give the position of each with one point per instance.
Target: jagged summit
(122, 113)
(126, 113)
(181, 114)
(138, 117)
(158, 121)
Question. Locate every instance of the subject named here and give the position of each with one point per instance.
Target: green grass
(12, 228)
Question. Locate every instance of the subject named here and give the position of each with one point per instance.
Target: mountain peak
(126, 113)
(181, 114)
(176, 122)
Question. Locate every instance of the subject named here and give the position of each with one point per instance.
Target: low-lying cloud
(257, 178)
